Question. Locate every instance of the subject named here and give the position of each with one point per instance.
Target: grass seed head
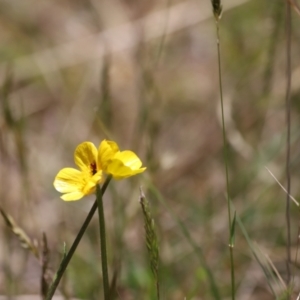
(217, 9)
(151, 237)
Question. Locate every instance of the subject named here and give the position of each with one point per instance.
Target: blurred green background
(145, 74)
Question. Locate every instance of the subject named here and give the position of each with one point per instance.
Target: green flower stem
(64, 263)
(225, 153)
(103, 243)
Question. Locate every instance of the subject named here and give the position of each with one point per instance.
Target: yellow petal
(68, 180)
(72, 196)
(76, 184)
(129, 159)
(119, 170)
(90, 185)
(86, 157)
(106, 152)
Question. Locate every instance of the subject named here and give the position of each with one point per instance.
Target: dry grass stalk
(44, 263)
(19, 233)
(151, 238)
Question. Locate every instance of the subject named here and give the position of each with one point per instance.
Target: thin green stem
(225, 153)
(103, 243)
(288, 137)
(64, 263)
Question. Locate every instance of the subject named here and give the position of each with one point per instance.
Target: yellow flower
(119, 164)
(74, 183)
(109, 159)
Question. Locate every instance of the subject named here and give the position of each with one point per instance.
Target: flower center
(93, 167)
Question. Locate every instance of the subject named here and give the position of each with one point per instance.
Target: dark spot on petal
(93, 167)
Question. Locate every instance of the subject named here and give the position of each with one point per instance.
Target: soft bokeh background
(145, 74)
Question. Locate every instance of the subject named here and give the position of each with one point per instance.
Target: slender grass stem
(64, 263)
(225, 153)
(103, 243)
(288, 138)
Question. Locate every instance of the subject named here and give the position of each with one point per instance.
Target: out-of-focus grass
(167, 112)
